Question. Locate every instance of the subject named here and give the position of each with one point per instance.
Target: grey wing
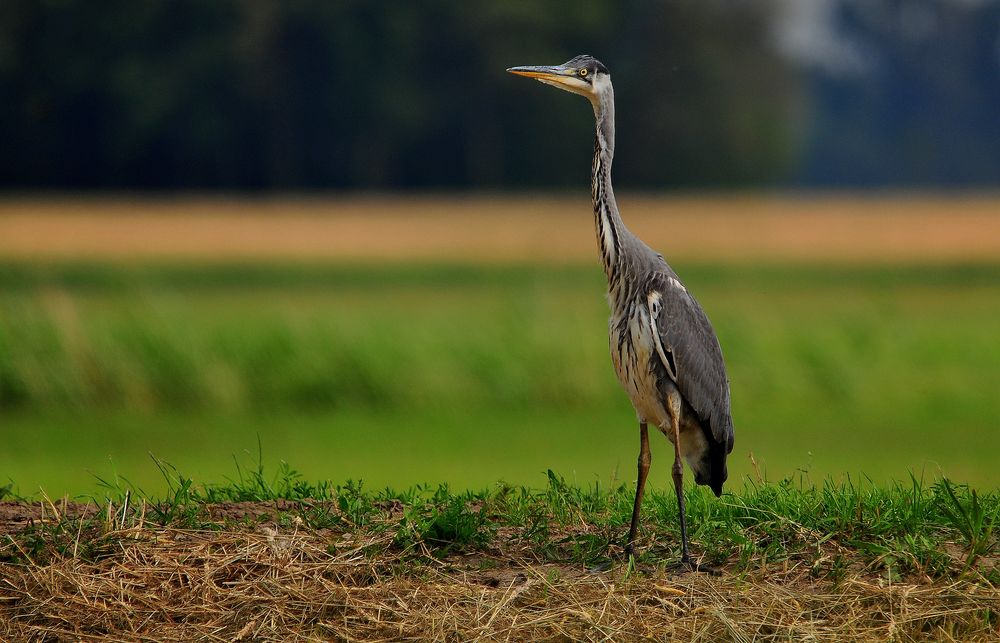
(691, 353)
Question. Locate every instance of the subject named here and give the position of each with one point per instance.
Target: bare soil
(926, 228)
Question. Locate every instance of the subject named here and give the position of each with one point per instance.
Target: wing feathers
(682, 331)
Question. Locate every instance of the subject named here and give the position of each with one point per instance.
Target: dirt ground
(881, 228)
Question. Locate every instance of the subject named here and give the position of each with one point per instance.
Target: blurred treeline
(358, 94)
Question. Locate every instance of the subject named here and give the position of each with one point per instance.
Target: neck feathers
(610, 230)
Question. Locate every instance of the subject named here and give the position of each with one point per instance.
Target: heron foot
(684, 566)
(601, 567)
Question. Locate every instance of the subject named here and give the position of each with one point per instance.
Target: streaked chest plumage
(632, 347)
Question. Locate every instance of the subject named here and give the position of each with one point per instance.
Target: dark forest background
(353, 94)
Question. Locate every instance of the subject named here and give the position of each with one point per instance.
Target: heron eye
(583, 72)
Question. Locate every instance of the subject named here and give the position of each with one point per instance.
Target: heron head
(584, 75)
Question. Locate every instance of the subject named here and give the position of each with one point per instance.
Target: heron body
(664, 350)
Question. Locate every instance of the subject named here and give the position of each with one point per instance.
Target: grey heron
(663, 347)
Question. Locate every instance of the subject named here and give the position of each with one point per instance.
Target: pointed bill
(559, 76)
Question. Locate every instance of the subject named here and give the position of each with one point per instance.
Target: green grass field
(471, 374)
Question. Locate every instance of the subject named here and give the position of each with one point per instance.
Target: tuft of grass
(969, 517)
(443, 523)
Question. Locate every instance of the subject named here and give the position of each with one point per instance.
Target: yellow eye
(583, 72)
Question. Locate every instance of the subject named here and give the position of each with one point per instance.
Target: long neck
(611, 232)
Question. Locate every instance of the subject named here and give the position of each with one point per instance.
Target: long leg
(678, 472)
(640, 484)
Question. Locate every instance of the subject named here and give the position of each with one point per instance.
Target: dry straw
(291, 583)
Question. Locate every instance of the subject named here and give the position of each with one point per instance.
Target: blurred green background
(469, 372)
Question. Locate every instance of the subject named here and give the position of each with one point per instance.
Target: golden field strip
(737, 228)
